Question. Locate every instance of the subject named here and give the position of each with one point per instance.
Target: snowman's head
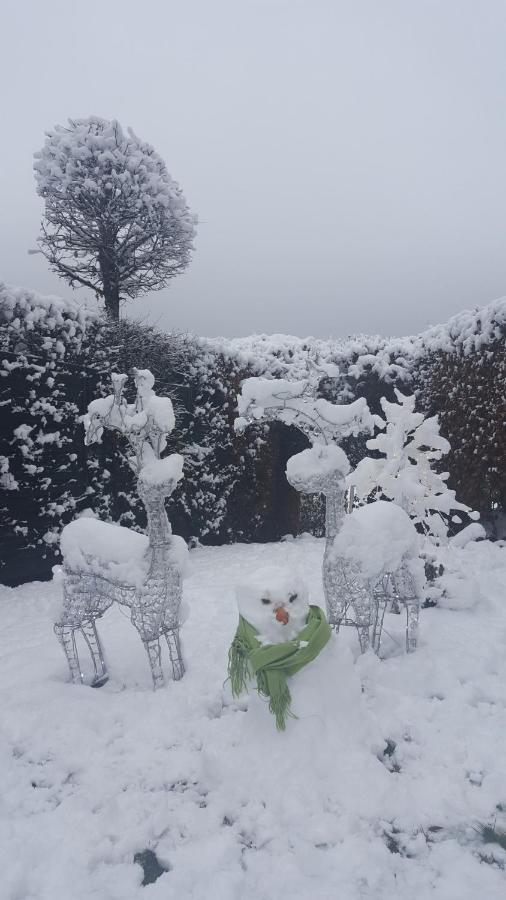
(275, 602)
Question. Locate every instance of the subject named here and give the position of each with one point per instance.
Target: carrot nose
(282, 615)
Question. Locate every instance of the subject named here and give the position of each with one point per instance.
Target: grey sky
(347, 160)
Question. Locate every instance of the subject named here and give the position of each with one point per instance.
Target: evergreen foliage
(56, 357)
(468, 393)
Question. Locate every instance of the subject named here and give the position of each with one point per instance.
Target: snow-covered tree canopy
(115, 221)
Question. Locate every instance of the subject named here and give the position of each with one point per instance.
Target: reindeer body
(347, 584)
(104, 563)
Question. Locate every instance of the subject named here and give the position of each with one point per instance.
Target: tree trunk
(111, 298)
(110, 287)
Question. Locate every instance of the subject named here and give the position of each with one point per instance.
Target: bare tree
(115, 221)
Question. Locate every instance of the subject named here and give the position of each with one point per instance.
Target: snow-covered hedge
(56, 357)
(392, 359)
(44, 346)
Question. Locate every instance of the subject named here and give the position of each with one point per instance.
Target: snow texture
(285, 356)
(161, 471)
(378, 537)
(295, 403)
(472, 532)
(123, 165)
(105, 549)
(265, 392)
(96, 179)
(409, 446)
(231, 807)
(319, 461)
(23, 310)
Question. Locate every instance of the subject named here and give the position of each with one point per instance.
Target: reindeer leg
(66, 635)
(412, 615)
(154, 652)
(174, 645)
(363, 631)
(149, 632)
(405, 590)
(362, 603)
(90, 634)
(335, 591)
(65, 629)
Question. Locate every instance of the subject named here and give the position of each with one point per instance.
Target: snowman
(324, 753)
(285, 653)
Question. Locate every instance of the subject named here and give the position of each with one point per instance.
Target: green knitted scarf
(272, 664)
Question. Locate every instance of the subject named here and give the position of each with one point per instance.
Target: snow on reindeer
(103, 563)
(350, 582)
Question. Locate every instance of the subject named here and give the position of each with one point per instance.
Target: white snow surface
(105, 549)
(159, 471)
(231, 807)
(113, 551)
(472, 532)
(319, 461)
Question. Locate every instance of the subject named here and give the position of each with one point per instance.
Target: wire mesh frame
(155, 604)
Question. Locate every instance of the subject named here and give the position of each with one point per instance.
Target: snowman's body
(322, 770)
(276, 603)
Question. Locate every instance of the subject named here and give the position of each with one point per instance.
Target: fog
(346, 159)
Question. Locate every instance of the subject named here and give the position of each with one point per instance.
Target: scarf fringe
(279, 700)
(272, 664)
(238, 666)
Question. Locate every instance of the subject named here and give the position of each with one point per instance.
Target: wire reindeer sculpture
(393, 590)
(325, 424)
(104, 563)
(350, 598)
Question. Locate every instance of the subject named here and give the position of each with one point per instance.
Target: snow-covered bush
(115, 221)
(404, 472)
(468, 393)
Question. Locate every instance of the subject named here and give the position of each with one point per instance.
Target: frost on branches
(115, 221)
(409, 446)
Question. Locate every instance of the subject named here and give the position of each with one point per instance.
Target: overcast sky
(347, 160)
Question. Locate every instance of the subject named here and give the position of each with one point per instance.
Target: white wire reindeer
(323, 469)
(351, 598)
(104, 563)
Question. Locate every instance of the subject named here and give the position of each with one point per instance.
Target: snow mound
(472, 532)
(378, 537)
(267, 392)
(161, 412)
(105, 549)
(162, 471)
(320, 462)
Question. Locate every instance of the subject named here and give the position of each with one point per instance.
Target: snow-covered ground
(233, 809)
